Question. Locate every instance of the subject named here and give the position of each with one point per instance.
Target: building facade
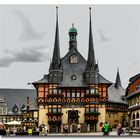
(14, 106)
(133, 99)
(74, 92)
(117, 107)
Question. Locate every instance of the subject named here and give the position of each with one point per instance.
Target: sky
(27, 40)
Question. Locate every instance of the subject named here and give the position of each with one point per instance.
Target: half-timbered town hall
(73, 92)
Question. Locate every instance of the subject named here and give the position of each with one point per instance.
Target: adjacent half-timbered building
(117, 107)
(14, 106)
(133, 99)
(74, 92)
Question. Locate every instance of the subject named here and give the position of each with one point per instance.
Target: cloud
(103, 35)
(34, 54)
(6, 61)
(28, 31)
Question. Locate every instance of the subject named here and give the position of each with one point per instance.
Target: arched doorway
(73, 116)
(73, 120)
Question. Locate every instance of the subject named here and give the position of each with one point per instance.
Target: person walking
(45, 130)
(79, 128)
(119, 129)
(30, 131)
(105, 129)
(66, 128)
(8, 131)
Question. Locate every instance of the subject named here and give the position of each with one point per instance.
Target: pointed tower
(91, 71)
(15, 109)
(56, 52)
(118, 80)
(55, 74)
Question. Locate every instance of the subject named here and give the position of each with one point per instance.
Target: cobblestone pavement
(113, 133)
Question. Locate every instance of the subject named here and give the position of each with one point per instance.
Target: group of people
(42, 130)
(2, 130)
(106, 129)
(66, 128)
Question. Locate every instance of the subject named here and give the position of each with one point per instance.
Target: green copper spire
(72, 37)
(72, 29)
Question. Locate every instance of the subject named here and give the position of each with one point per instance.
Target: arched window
(73, 59)
(137, 122)
(137, 116)
(133, 116)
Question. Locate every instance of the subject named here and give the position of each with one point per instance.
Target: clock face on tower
(73, 59)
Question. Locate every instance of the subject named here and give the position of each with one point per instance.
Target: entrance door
(54, 128)
(74, 128)
(93, 127)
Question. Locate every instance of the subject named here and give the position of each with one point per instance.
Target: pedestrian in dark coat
(119, 129)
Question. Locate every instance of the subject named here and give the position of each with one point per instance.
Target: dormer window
(1, 99)
(54, 91)
(137, 87)
(123, 98)
(93, 91)
(73, 59)
(15, 109)
(87, 91)
(50, 91)
(73, 77)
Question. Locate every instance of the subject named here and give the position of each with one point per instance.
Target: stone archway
(73, 116)
(73, 120)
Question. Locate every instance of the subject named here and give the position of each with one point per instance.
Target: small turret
(118, 80)
(72, 37)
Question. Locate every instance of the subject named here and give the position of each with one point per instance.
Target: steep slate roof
(73, 69)
(42, 81)
(116, 91)
(135, 93)
(68, 69)
(115, 94)
(103, 80)
(18, 97)
(132, 79)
